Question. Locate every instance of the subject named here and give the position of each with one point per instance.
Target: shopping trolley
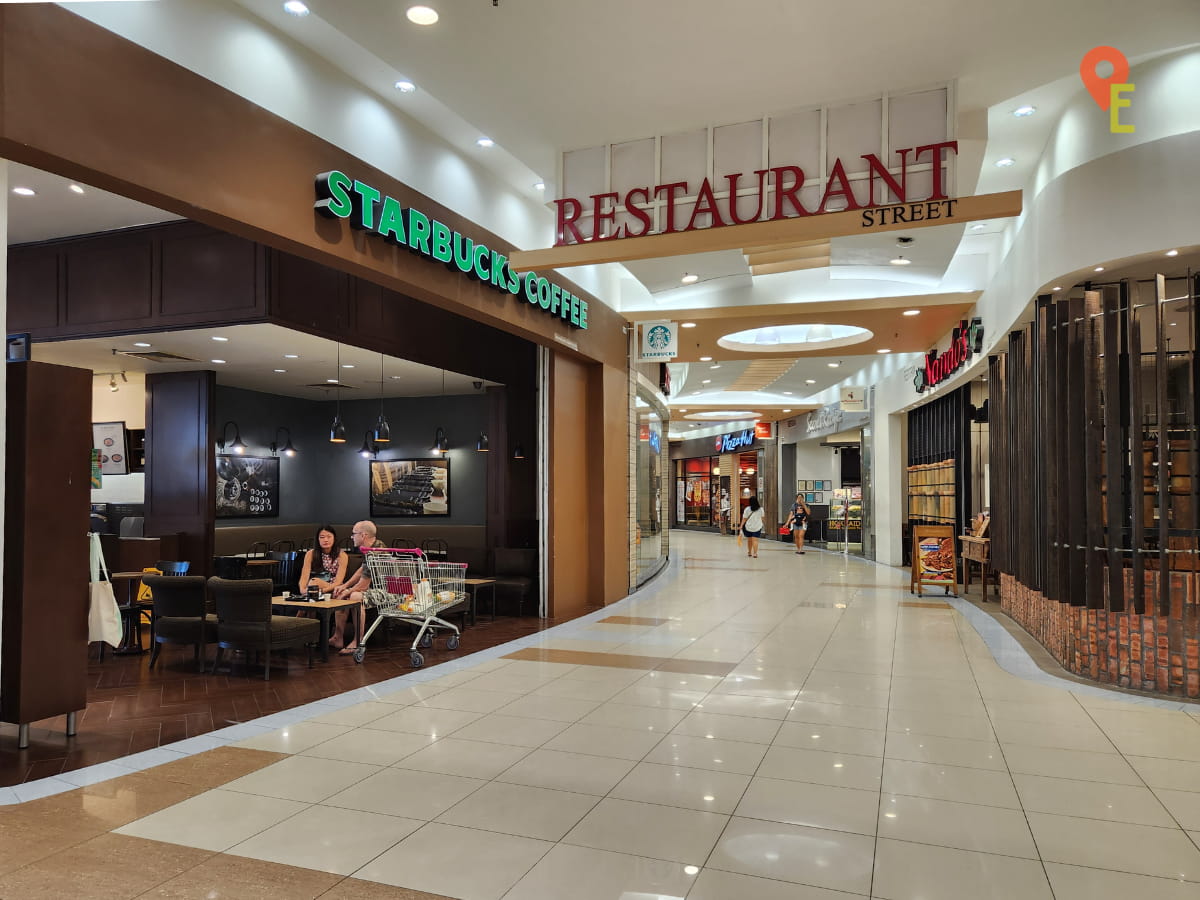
(407, 586)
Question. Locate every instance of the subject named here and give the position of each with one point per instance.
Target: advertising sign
(660, 341)
(934, 558)
(735, 440)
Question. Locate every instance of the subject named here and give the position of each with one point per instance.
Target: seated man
(364, 537)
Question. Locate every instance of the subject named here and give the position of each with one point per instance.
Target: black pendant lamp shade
(518, 452)
(383, 432)
(482, 444)
(337, 431)
(440, 444)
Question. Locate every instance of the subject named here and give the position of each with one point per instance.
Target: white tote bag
(104, 618)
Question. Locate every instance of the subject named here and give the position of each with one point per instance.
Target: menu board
(935, 559)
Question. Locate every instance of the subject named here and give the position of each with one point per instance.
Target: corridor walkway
(795, 727)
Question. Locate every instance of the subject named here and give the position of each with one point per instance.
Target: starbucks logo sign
(659, 337)
(659, 341)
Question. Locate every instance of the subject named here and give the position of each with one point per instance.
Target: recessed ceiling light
(219, 362)
(683, 410)
(1098, 269)
(281, 371)
(290, 356)
(912, 312)
(347, 365)
(1022, 111)
(1058, 287)
(900, 261)
(808, 381)
(1172, 253)
(75, 189)
(717, 366)
(24, 191)
(395, 377)
(787, 410)
(884, 350)
(1172, 324)
(405, 87)
(688, 278)
(140, 344)
(422, 15)
(485, 142)
(788, 393)
(217, 337)
(706, 359)
(295, 7)
(978, 226)
(706, 381)
(1005, 163)
(833, 365)
(331, 381)
(687, 324)
(539, 185)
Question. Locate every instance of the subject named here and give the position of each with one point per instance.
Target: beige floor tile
(583, 873)
(701, 789)
(814, 805)
(1139, 849)
(214, 768)
(1183, 805)
(471, 759)
(740, 757)
(1078, 883)
(905, 871)
(577, 772)
(712, 884)
(964, 826)
(412, 694)
(468, 699)
(294, 738)
(872, 699)
(945, 751)
(1092, 800)
(836, 769)
(838, 714)
(910, 721)
(1172, 774)
(728, 728)
(356, 889)
(938, 782)
(514, 731)
(400, 792)
(1055, 763)
(648, 829)
(577, 689)
(513, 684)
(836, 860)
(1088, 738)
(601, 740)
(521, 810)
(556, 709)
(435, 723)
(328, 839)
(303, 778)
(639, 718)
(370, 746)
(830, 738)
(215, 820)
(356, 715)
(432, 859)
(237, 877)
(742, 705)
(680, 699)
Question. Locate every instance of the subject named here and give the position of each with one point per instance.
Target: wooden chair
(245, 621)
(172, 568)
(436, 549)
(180, 616)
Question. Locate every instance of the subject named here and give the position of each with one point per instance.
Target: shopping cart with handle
(405, 585)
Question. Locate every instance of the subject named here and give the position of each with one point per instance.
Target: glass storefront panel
(650, 539)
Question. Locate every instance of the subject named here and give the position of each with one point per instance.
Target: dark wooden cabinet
(43, 672)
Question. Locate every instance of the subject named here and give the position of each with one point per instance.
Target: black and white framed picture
(17, 349)
(247, 486)
(410, 487)
(110, 439)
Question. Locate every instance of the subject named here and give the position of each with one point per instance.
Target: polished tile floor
(786, 727)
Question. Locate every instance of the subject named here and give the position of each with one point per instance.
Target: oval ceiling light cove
(723, 415)
(795, 338)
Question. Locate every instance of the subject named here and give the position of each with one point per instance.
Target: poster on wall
(410, 487)
(109, 439)
(247, 486)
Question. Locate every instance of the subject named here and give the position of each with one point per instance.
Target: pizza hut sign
(965, 341)
(735, 440)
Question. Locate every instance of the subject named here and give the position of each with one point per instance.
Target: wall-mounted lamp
(237, 446)
(482, 444)
(368, 448)
(440, 443)
(288, 449)
(518, 452)
(112, 380)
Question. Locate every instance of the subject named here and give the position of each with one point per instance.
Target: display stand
(976, 550)
(935, 561)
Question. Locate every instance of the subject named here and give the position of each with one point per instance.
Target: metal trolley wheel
(417, 660)
(359, 654)
(452, 642)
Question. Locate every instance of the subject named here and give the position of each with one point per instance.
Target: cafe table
(475, 584)
(324, 610)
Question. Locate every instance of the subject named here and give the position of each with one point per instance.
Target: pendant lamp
(383, 432)
(440, 443)
(337, 431)
(518, 452)
(482, 444)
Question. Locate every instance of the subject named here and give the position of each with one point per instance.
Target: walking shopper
(752, 523)
(798, 522)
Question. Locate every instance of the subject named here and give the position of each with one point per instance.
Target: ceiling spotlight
(978, 226)
(539, 185)
(1098, 269)
(683, 410)
(140, 344)
(808, 381)
(295, 7)
(347, 365)
(219, 362)
(717, 366)
(688, 278)
(706, 381)
(1172, 253)
(788, 393)
(1058, 287)
(687, 324)
(1005, 163)
(884, 350)
(75, 189)
(912, 312)
(422, 15)
(280, 371)
(331, 381)
(833, 365)
(290, 356)
(1022, 112)
(485, 142)
(24, 191)
(112, 384)
(901, 261)
(706, 359)
(216, 337)
(405, 87)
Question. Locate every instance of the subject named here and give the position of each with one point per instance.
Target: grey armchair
(515, 572)
(245, 622)
(180, 616)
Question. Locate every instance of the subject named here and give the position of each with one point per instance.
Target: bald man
(365, 537)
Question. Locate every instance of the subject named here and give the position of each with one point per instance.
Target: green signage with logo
(341, 197)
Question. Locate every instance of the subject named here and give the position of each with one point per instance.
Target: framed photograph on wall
(410, 487)
(110, 439)
(247, 486)
(810, 497)
(818, 485)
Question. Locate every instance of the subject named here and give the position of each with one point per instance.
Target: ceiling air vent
(156, 356)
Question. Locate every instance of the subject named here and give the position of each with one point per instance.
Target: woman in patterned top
(325, 564)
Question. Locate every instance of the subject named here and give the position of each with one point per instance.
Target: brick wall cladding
(1147, 652)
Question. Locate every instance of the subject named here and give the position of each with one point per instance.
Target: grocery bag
(104, 618)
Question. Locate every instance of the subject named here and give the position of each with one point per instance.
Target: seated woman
(325, 564)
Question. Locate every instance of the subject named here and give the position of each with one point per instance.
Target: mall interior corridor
(796, 727)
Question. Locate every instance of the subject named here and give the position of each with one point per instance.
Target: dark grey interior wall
(327, 482)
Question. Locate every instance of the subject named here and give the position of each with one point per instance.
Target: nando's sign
(965, 341)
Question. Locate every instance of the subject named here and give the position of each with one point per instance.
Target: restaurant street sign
(965, 341)
(341, 197)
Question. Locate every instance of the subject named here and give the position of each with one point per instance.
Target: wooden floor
(131, 709)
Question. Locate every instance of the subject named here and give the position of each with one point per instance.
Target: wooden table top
(478, 581)
(123, 576)
(319, 604)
